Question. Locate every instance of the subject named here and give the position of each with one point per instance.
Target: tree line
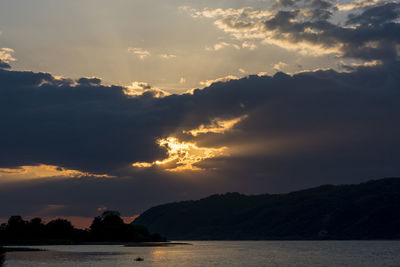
(109, 227)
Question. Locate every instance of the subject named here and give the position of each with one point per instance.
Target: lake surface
(218, 253)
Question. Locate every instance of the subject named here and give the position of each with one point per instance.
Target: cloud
(216, 126)
(41, 171)
(4, 65)
(6, 57)
(182, 156)
(377, 15)
(278, 66)
(299, 130)
(221, 45)
(182, 80)
(222, 79)
(247, 12)
(249, 45)
(369, 33)
(284, 3)
(354, 66)
(61, 123)
(358, 4)
(143, 88)
(317, 4)
(142, 53)
(167, 56)
(89, 81)
(139, 52)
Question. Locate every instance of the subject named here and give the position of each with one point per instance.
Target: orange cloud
(216, 126)
(185, 155)
(43, 171)
(182, 155)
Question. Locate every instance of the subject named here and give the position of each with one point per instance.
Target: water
(220, 253)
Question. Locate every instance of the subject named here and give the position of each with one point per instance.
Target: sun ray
(185, 155)
(182, 155)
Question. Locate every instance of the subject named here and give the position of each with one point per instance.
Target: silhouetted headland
(365, 211)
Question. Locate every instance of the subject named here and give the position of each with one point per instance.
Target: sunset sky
(126, 104)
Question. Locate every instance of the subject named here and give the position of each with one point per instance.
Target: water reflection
(215, 254)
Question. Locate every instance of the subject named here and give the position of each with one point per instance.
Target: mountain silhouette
(368, 210)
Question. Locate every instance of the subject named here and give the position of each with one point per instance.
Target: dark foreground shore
(18, 246)
(21, 249)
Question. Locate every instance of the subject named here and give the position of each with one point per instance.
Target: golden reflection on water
(219, 253)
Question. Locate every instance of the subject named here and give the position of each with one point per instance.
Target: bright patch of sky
(125, 41)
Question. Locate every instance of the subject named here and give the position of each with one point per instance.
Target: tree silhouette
(35, 229)
(59, 229)
(109, 227)
(16, 228)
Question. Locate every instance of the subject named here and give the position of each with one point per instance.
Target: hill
(368, 210)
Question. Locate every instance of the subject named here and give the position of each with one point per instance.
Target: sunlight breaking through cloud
(182, 155)
(140, 88)
(216, 126)
(6, 55)
(185, 155)
(222, 79)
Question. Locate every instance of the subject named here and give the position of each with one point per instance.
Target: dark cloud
(321, 4)
(318, 4)
(371, 33)
(303, 130)
(318, 14)
(4, 65)
(86, 126)
(376, 15)
(313, 128)
(89, 81)
(50, 121)
(374, 35)
(284, 3)
(100, 129)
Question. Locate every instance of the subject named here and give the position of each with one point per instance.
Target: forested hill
(368, 210)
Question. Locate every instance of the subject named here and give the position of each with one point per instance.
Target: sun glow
(185, 155)
(182, 155)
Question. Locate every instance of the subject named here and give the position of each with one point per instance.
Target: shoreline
(20, 246)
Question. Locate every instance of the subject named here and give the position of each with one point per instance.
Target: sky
(127, 104)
